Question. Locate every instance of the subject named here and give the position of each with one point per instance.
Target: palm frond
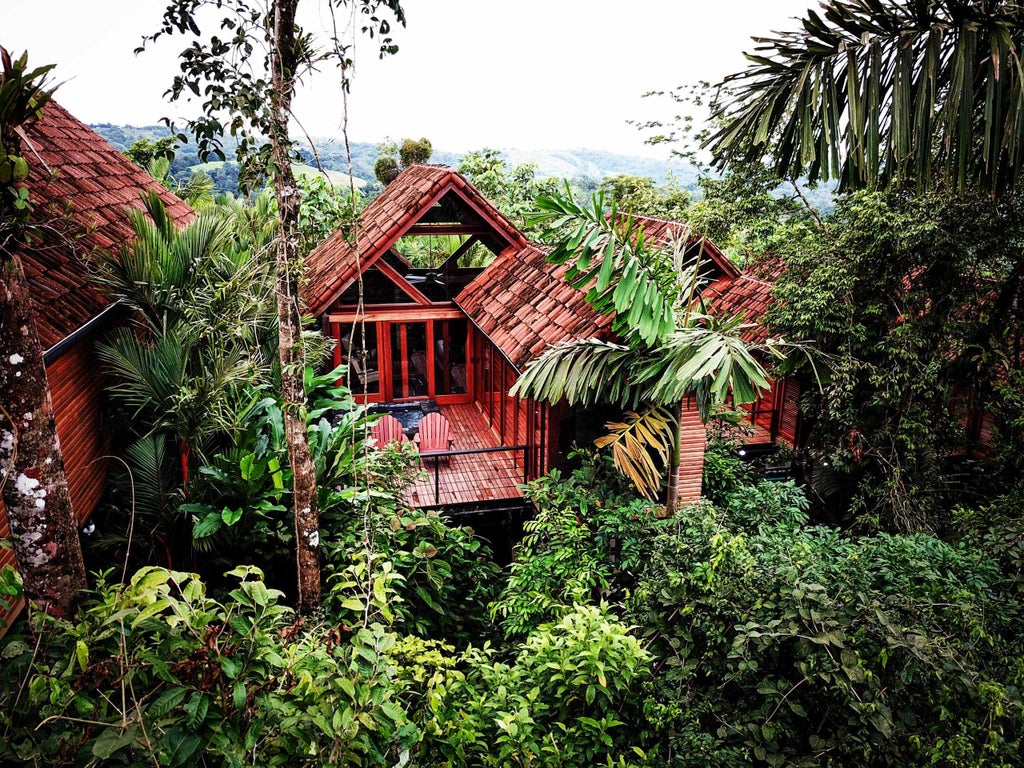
(641, 447)
(162, 221)
(145, 377)
(709, 353)
(154, 477)
(582, 372)
(169, 385)
(871, 91)
(608, 257)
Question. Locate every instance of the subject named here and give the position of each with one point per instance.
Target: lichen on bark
(35, 492)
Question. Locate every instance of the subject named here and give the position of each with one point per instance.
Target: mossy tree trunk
(304, 494)
(46, 544)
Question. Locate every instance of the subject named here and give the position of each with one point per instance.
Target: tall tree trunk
(46, 545)
(304, 494)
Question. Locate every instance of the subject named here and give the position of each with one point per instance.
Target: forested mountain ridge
(563, 163)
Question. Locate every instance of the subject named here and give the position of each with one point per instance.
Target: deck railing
(437, 464)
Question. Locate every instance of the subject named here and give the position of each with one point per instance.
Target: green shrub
(766, 506)
(564, 699)
(157, 673)
(11, 589)
(584, 545)
(790, 645)
(724, 470)
(442, 576)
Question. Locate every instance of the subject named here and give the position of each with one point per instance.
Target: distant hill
(567, 164)
(337, 178)
(586, 167)
(597, 164)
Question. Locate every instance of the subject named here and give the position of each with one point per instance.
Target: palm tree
(203, 329)
(874, 90)
(671, 347)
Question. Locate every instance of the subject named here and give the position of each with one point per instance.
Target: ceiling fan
(437, 278)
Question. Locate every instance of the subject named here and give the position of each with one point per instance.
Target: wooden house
(81, 188)
(453, 338)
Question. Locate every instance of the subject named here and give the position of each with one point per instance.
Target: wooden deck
(466, 479)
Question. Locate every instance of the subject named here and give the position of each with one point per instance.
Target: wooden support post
(403, 353)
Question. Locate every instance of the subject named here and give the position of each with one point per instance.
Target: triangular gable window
(378, 288)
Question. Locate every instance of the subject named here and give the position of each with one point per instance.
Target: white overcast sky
(526, 74)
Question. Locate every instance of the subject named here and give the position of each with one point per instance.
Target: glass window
(409, 360)
(450, 357)
(359, 351)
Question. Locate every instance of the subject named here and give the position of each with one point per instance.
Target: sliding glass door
(410, 377)
(407, 359)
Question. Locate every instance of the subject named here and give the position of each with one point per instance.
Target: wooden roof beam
(459, 253)
(423, 230)
(397, 278)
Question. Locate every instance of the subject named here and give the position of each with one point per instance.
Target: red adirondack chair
(388, 429)
(434, 435)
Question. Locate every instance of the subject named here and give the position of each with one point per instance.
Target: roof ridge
(751, 278)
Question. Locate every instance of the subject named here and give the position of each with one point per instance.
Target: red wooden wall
(789, 411)
(693, 442)
(515, 421)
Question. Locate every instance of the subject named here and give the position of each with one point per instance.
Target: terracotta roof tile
(749, 294)
(524, 305)
(82, 186)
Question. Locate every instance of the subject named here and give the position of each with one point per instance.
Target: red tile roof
(331, 267)
(81, 186)
(523, 304)
(748, 293)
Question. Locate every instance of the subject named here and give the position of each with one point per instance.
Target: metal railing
(440, 460)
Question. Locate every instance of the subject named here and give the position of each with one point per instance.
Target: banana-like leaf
(608, 257)
(582, 372)
(709, 352)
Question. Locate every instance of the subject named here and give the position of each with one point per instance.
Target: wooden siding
(762, 415)
(691, 453)
(789, 413)
(515, 421)
(7, 558)
(986, 424)
(77, 390)
(9, 615)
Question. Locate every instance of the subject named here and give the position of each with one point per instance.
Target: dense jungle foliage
(755, 628)
(871, 614)
(736, 633)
